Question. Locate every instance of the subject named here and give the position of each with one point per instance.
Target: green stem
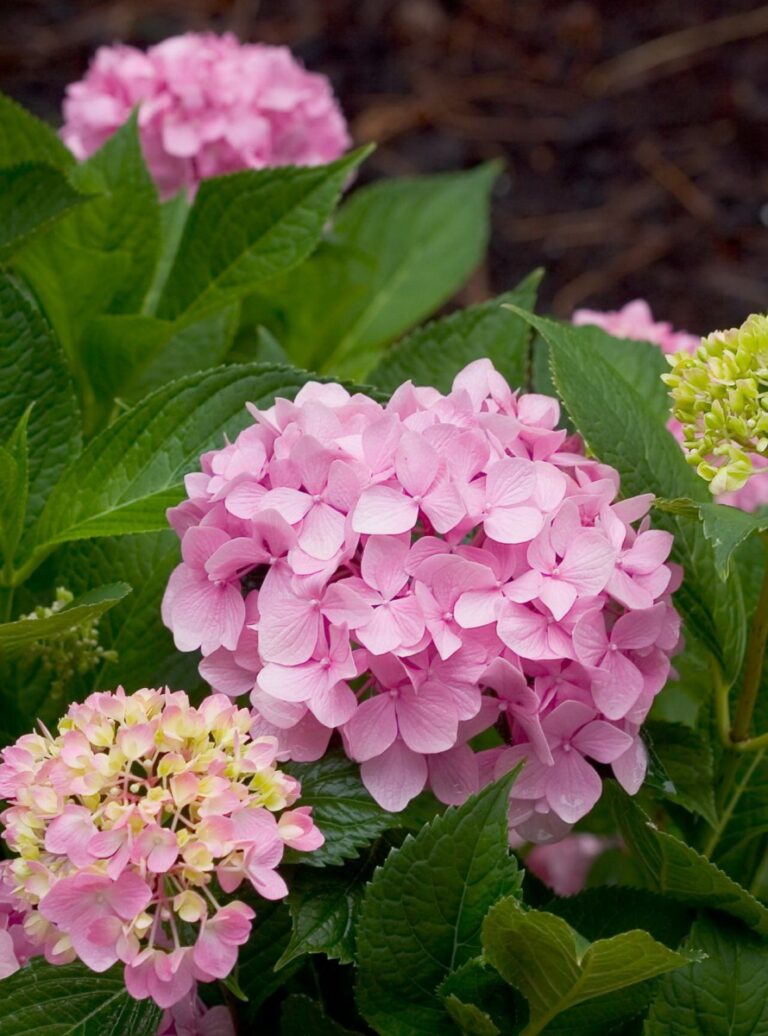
(753, 665)
(761, 876)
(725, 814)
(722, 706)
(6, 603)
(752, 744)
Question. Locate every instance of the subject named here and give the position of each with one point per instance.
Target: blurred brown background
(635, 135)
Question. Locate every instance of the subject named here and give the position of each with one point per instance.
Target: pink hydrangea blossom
(190, 1017)
(207, 105)
(564, 866)
(121, 823)
(417, 572)
(635, 321)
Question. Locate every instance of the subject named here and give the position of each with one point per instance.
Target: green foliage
(246, 228)
(91, 605)
(341, 806)
(680, 871)
(23, 138)
(32, 197)
(556, 969)
(42, 1000)
(686, 758)
(398, 250)
(434, 354)
(721, 995)
(300, 1014)
(324, 908)
(422, 913)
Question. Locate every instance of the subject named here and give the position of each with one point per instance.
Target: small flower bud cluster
(412, 574)
(74, 652)
(634, 320)
(131, 822)
(720, 397)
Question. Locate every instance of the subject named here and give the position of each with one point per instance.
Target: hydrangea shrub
(469, 698)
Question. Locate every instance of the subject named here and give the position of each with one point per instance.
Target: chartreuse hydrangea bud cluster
(73, 652)
(412, 574)
(720, 397)
(132, 825)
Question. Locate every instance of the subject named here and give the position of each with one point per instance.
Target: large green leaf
(686, 758)
(23, 138)
(33, 372)
(434, 354)
(130, 473)
(422, 913)
(620, 427)
(99, 258)
(14, 635)
(256, 972)
(249, 227)
(725, 527)
(324, 905)
(127, 356)
(722, 995)
(672, 867)
(342, 808)
(398, 250)
(301, 1016)
(42, 1000)
(146, 656)
(14, 489)
(556, 969)
(32, 197)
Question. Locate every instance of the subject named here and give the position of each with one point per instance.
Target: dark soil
(635, 157)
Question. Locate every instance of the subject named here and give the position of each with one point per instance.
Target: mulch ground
(634, 135)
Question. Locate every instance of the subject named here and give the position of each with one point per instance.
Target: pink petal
(524, 631)
(616, 685)
(510, 482)
(333, 706)
(444, 506)
(558, 596)
(573, 787)
(513, 524)
(477, 608)
(383, 564)
(372, 729)
(344, 605)
(588, 562)
(322, 532)
(639, 629)
(199, 543)
(602, 741)
(381, 509)
(395, 777)
(427, 719)
(290, 504)
(590, 641)
(416, 463)
(627, 591)
(454, 775)
(629, 769)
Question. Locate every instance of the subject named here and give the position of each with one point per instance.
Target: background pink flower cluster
(413, 574)
(635, 320)
(207, 105)
(127, 827)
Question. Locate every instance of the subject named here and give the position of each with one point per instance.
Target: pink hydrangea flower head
(411, 574)
(126, 825)
(564, 866)
(207, 105)
(635, 321)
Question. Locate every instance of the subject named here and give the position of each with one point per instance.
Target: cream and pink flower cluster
(129, 826)
(411, 574)
(635, 320)
(207, 105)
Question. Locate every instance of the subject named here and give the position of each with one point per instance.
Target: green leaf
(599, 913)
(99, 258)
(33, 371)
(173, 218)
(127, 356)
(722, 995)
(556, 969)
(341, 807)
(727, 528)
(32, 197)
(434, 354)
(398, 250)
(14, 487)
(621, 429)
(686, 757)
(480, 1001)
(43, 1000)
(128, 475)
(23, 138)
(324, 905)
(422, 913)
(249, 227)
(92, 604)
(256, 973)
(146, 656)
(672, 867)
(302, 1016)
